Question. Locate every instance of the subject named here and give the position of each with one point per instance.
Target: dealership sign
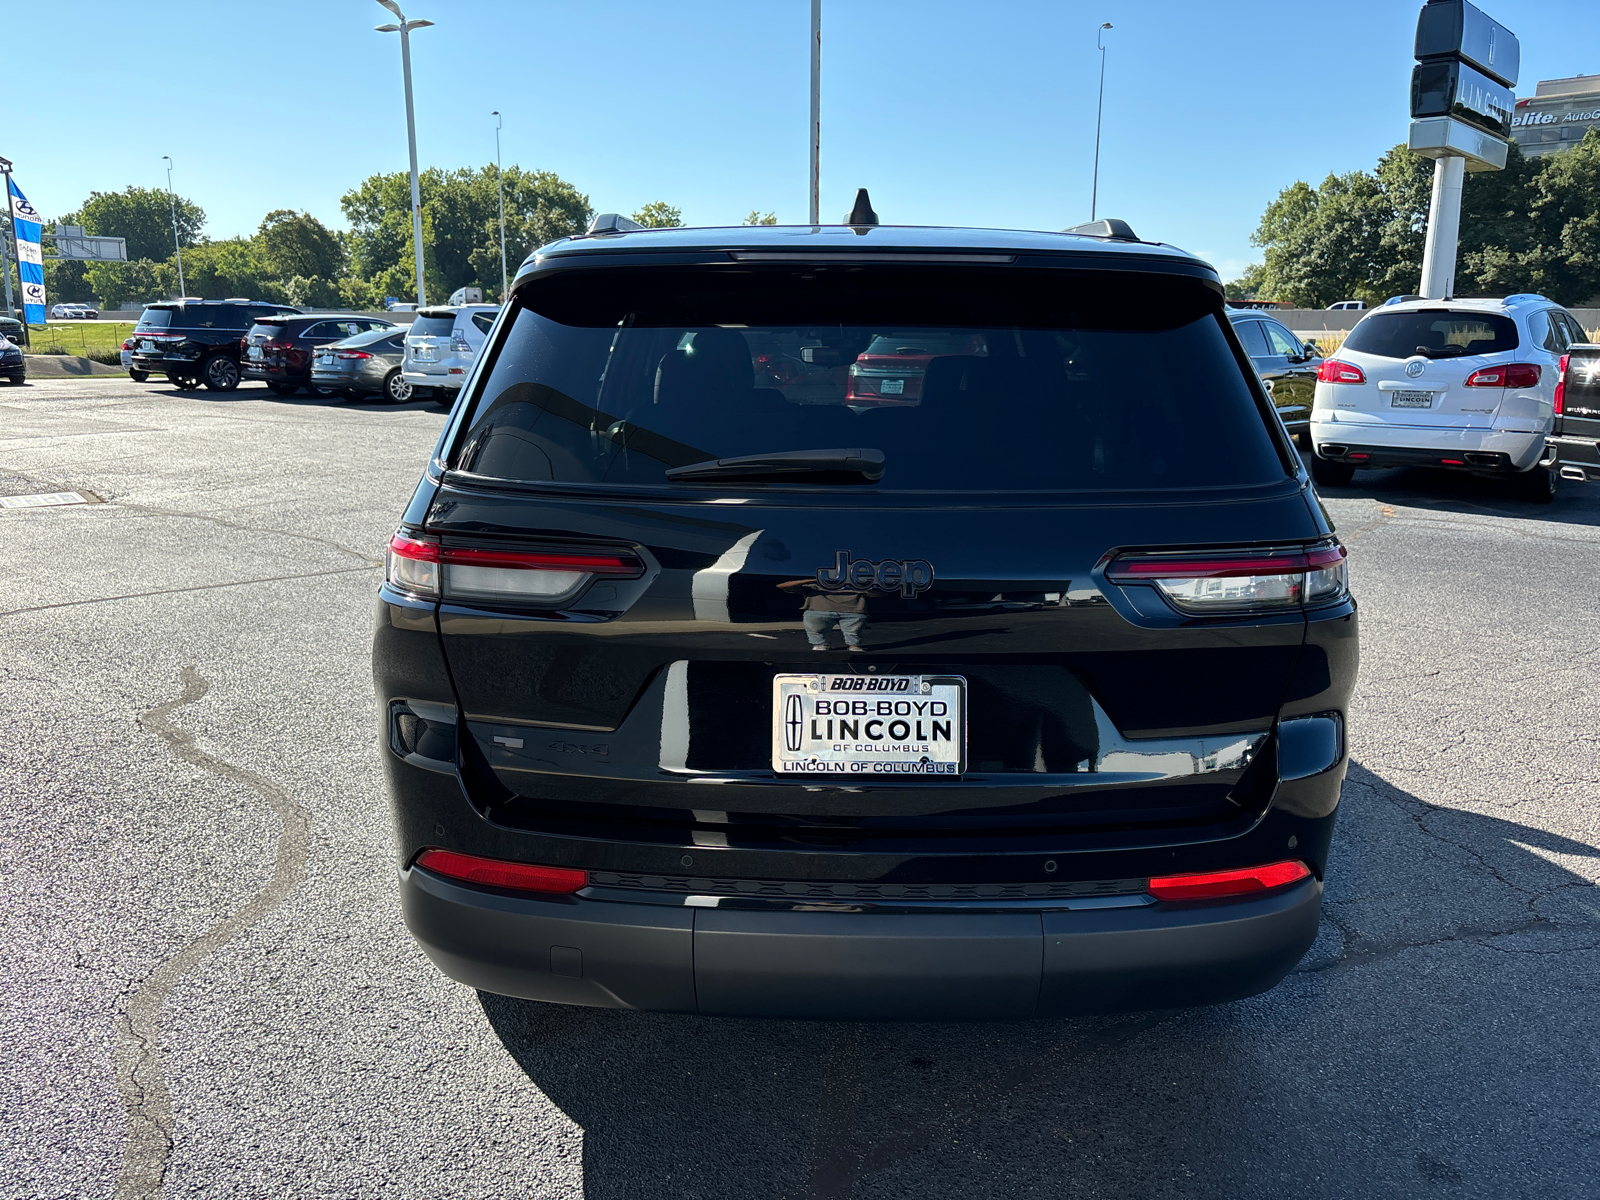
(25, 224)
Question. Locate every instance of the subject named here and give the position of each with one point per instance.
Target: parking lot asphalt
(209, 991)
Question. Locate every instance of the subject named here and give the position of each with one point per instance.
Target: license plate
(892, 387)
(422, 354)
(147, 346)
(324, 360)
(1402, 398)
(255, 351)
(869, 725)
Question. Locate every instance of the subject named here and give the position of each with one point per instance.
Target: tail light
(277, 344)
(352, 354)
(1334, 371)
(1515, 375)
(432, 571)
(495, 872)
(1237, 582)
(128, 344)
(459, 344)
(1214, 885)
(1561, 385)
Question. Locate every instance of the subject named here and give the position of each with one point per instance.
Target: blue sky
(965, 114)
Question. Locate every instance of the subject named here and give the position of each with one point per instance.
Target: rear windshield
(1434, 333)
(266, 329)
(155, 318)
(1013, 381)
(433, 326)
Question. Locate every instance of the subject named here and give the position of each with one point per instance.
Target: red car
(889, 372)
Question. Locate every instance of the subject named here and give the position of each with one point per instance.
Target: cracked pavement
(209, 992)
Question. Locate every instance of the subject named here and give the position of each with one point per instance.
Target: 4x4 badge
(906, 576)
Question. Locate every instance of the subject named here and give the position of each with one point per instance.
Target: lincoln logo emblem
(793, 723)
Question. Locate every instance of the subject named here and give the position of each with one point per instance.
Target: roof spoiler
(1110, 227)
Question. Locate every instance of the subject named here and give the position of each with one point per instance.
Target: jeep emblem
(906, 576)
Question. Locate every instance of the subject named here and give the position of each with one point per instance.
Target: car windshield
(155, 318)
(1033, 380)
(1435, 333)
(433, 326)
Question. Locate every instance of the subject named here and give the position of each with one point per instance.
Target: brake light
(459, 344)
(1517, 375)
(277, 344)
(1235, 582)
(352, 354)
(128, 344)
(1334, 371)
(494, 872)
(1213, 885)
(428, 569)
(1561, 385)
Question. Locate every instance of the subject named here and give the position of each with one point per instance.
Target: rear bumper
(1573, 457)
(1489, 451)
(950, 962)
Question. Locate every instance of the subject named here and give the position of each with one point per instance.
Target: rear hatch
(428, 343)
(1417, 363)
(633, 688)
(267, 349)
(1576, 430)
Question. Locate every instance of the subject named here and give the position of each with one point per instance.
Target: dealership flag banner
(30, 261)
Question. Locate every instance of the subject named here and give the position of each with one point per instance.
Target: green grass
(77, 337)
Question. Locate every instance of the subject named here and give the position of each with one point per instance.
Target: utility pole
(500, 183)
(177, 246)
(816, 112)
(1100, 108)
(404, 30)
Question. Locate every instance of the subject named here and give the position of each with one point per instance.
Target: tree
(461, 226)
(142, 216)
(756, 217)
(658, 214)
(139, 281)
(226, 269)
(290, 244)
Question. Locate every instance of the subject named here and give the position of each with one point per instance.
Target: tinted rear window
(1435, 333)
(155, 318)
(267, 329)
(433, 326)
(1024, 381)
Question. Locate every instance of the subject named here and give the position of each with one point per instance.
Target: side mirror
(1312, 351)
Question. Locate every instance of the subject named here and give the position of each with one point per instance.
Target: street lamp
(1094, 193)
(177, 246)
(404, 30)
(500, 182)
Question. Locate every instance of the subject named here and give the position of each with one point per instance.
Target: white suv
(1466, 385)
(442, 346)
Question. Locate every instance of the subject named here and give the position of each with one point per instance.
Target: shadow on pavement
(1437, 1039)
(1448, 491)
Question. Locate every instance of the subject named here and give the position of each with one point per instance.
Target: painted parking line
(46, 500)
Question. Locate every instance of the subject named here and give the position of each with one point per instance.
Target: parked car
(442, 345)
(12, 365)
(890, 370)
(74, 311)
(279, 347)
(11, 329)
(196, 341)
(1461, 385)
(1572, 448)
(1341, 305)
(368, 362)
(1287, 365)
(1087, 750)
(127, 362)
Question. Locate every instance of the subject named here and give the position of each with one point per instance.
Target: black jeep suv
(1081, 745)
(196, 341)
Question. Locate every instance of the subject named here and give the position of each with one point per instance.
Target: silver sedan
(367, 362)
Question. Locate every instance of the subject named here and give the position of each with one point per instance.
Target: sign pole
(816, 112)
(1444, 229)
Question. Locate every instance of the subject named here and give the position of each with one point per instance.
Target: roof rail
(1108, 227)
(613, 223)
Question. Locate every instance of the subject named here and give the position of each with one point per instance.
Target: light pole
(404, 30)
(816, 111)
(1100, 107)
(500, 182)
(177, 246)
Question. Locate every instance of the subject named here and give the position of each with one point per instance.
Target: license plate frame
(424, 354)
(892, 387)
(255, 353)
(1412, 397)
(931, 745)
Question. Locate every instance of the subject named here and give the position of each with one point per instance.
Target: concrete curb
(65, 366)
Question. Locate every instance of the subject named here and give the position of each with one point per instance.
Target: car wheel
(182, 382)
(220, 373)
(138, 376)
(1331, 474)
(396, 388)
(321, 393)
(283, 389)
(1537, 486)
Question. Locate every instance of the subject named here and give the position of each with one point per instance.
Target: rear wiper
(1441, 351)
(800, 466)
